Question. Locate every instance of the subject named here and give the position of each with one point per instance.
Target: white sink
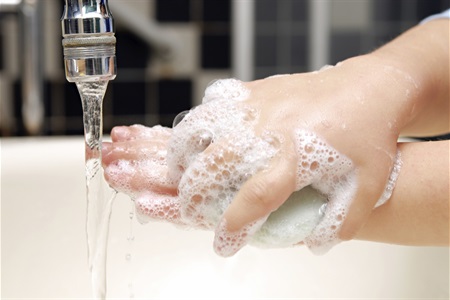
(44, 247)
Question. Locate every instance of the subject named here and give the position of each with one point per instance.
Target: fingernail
(120, 133)
(226, 244)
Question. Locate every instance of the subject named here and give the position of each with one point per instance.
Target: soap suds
(213, 150)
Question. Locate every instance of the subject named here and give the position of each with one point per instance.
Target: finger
(136, 166)
(120, 133)
(208, 185)
(137, 150)
(259, 196)
(134, 178)
(155, 206)
(127, 133)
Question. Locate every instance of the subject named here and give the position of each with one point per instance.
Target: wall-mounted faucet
(88, 41)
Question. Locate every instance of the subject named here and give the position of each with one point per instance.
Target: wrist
(417, 62)
(390, 90)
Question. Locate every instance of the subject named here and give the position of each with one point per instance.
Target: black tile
(48, 87)
(387, 10)
(266, 10)
(299, 49)
(47, 98)
(72, 101)
(173, 10)
(125, 121)
(17, 96)
(215, 51)
(131, 51)
(427, 8)
(345, 45)
(128, 98)
(174, 96)
(74, 131)
(17, 109)
(1, 53)
(216, 10)
(300, 10)
(264, 72)
(266, 53)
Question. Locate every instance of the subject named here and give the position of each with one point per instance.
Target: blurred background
(207, 39)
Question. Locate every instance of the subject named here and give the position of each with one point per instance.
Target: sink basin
(44, 255)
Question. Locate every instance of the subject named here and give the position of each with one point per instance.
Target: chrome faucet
(88, 41)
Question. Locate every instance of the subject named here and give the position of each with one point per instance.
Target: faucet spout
(88, 41)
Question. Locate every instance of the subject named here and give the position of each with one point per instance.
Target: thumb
(262, 194)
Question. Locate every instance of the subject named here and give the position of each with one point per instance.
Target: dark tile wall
(2, 55)
(138, 95)
(281, 37)
(281, 46)
(173, 10)
(282, 31)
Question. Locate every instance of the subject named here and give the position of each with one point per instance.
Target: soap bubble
(177, 120)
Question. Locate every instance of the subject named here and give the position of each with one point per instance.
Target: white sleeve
(443, 15)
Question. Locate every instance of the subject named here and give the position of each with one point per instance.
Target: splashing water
(129, 254)
(99, 195)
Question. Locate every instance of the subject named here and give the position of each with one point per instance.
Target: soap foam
(227, 244)
(152, 206)
(213, 150)
(231, 89)
(209, 181)
(331, 173)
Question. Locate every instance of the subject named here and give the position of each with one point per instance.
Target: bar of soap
(293, 221)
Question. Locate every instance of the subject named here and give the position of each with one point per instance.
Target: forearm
(418, 211)
(420, 60)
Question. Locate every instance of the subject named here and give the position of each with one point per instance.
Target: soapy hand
(238, 157)
(322, 133)
(343, 141)
(233, 162)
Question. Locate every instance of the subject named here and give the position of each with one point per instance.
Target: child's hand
(236, 158)
(260, 146)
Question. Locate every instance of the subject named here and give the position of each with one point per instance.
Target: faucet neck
(88, 41)
(86, 17)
